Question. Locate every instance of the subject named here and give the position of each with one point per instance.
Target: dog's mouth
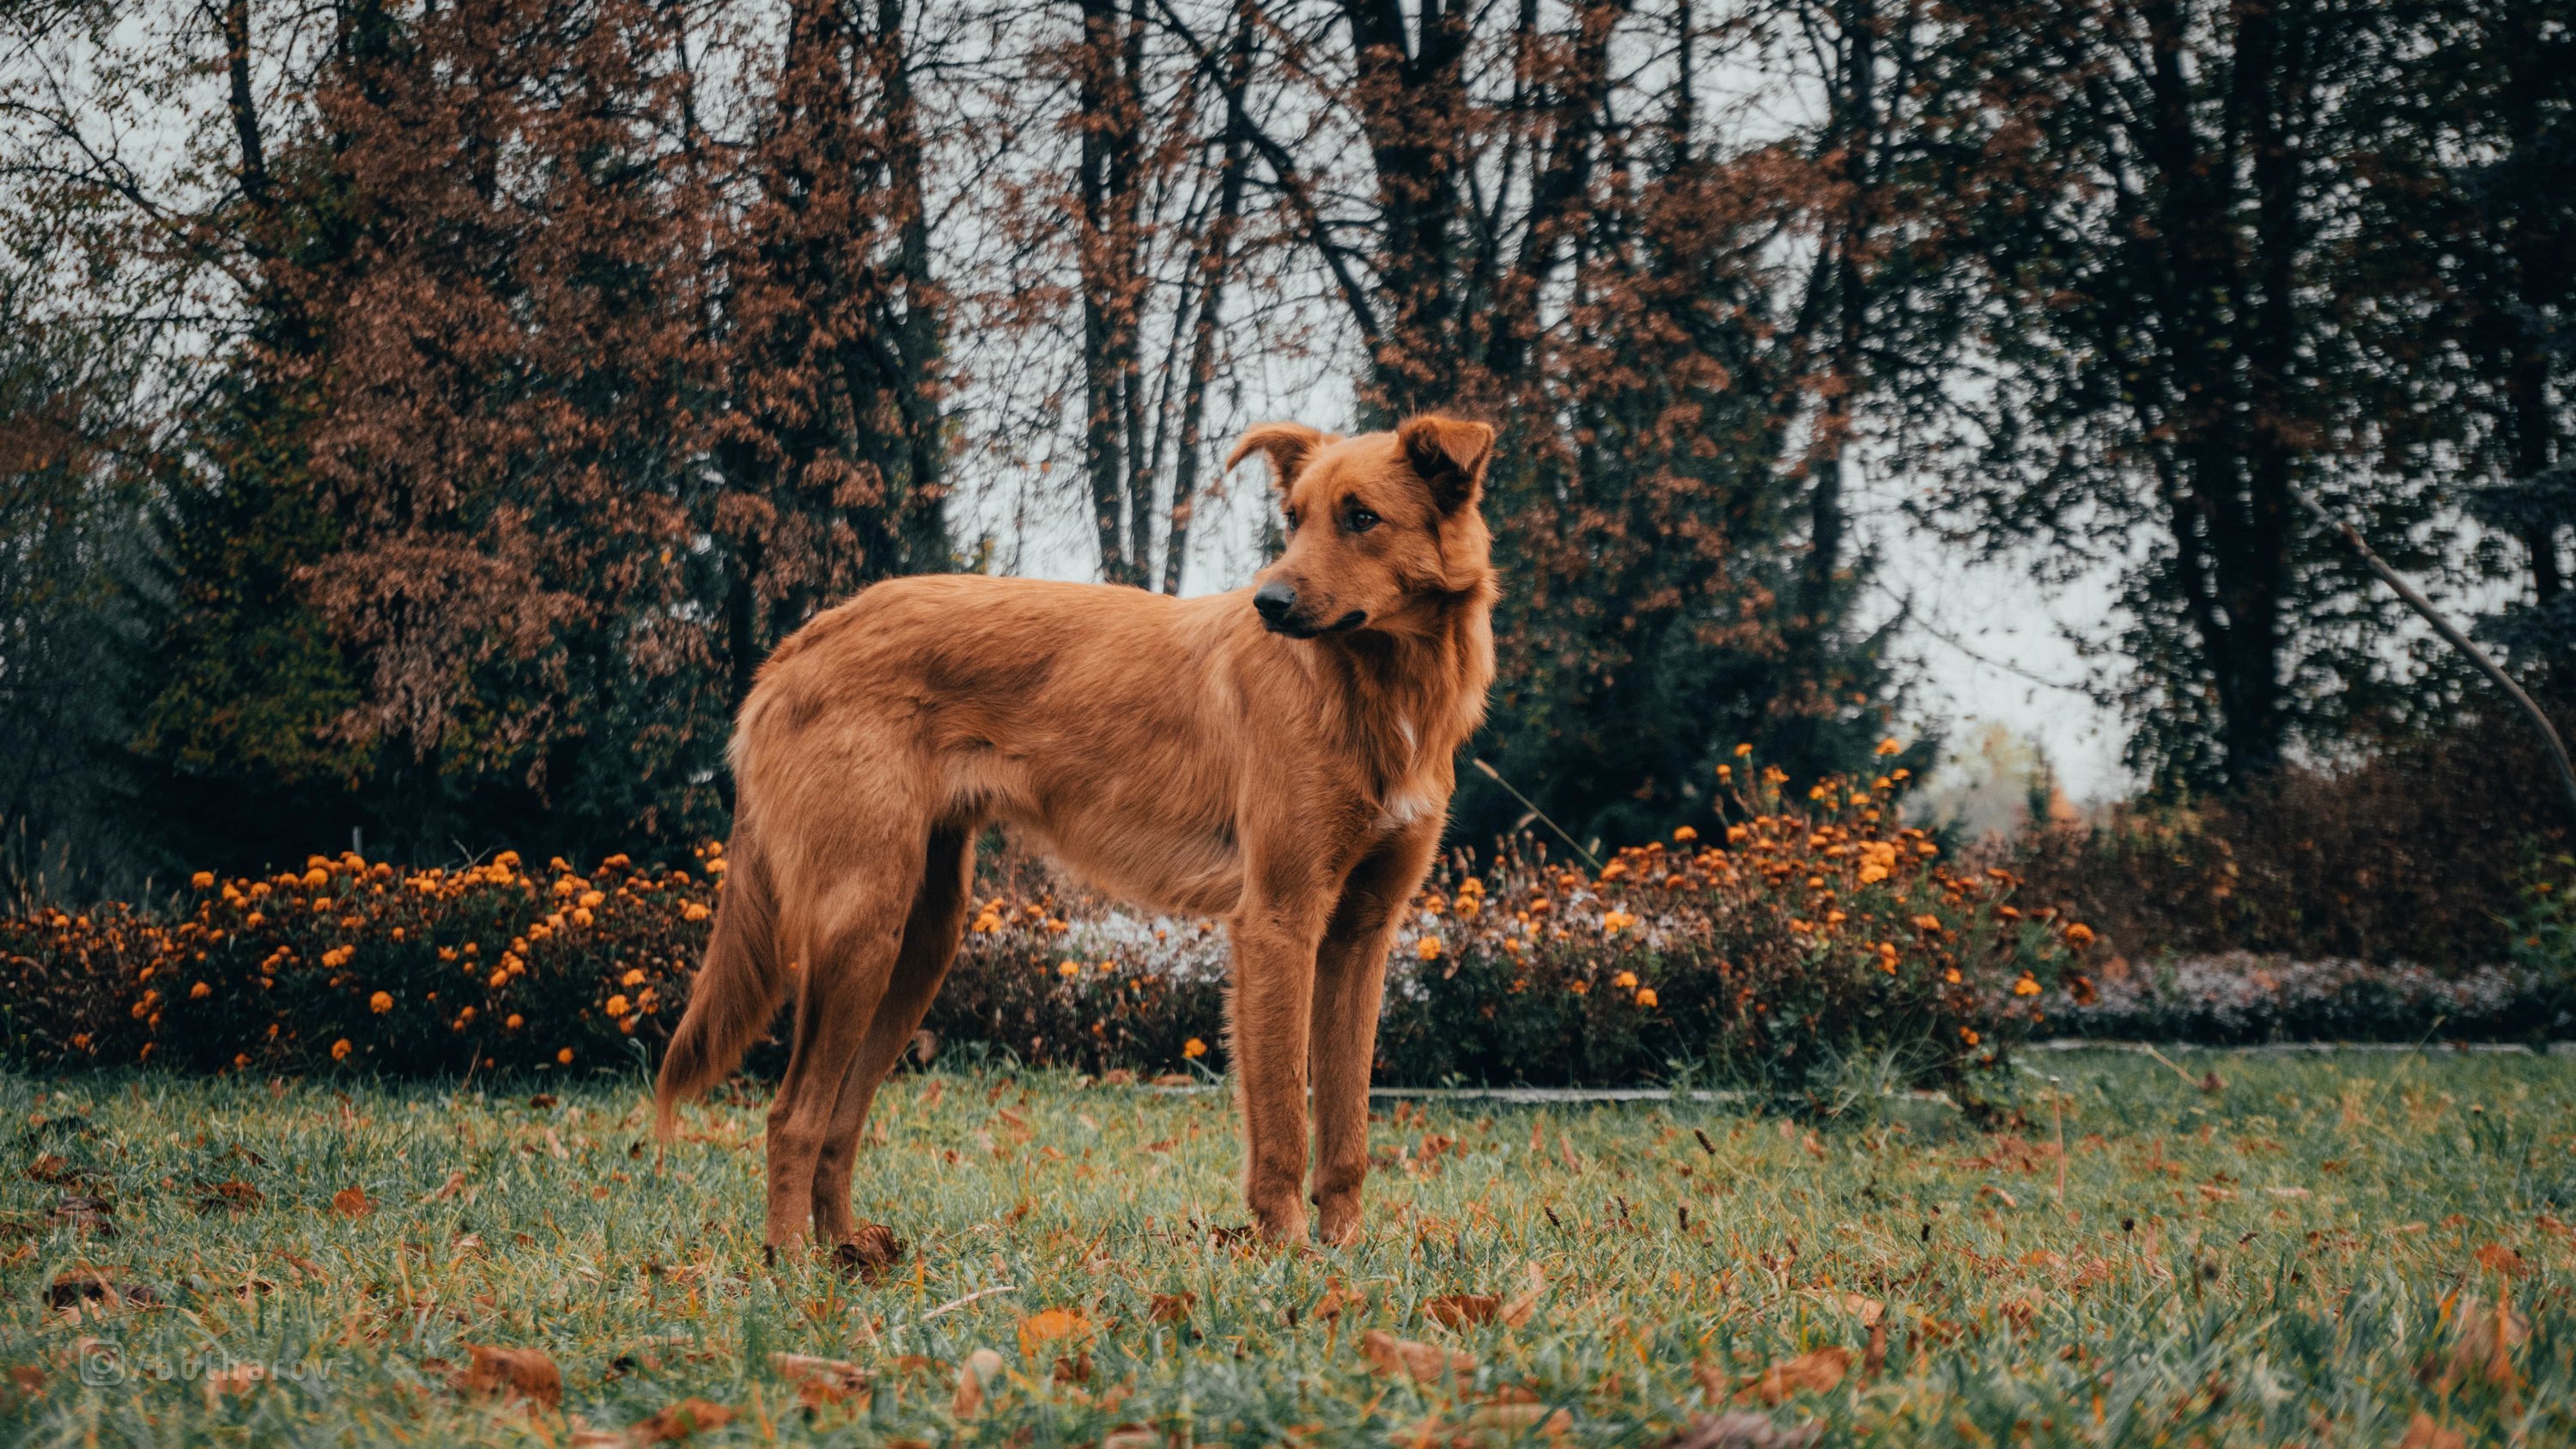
(1300, 629)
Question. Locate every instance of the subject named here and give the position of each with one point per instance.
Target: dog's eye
(1361, 520)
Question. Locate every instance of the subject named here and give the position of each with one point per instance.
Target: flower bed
(1788, 947)
(2240, 999)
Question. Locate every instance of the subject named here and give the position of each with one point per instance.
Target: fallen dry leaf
(819, 1381)
(351, 1202)
(1050, 1326)
(1338, 1300)
(1518, 1417)
(1423, 1363)
(1525, 1303)
(1815, 1372)
(1741, 1430)
(1173, 1307)
(2489, 1333)
(2502, 1260)
(680, 1421)
(232, 1379)
(101, 1290)
(233, 1196)
(870, 1251)
(973, 1376)
(84, 1214)
(525, 1372)
(1457, 1310)
(2423, 1433)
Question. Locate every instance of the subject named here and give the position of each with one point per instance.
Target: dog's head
(1383, 528)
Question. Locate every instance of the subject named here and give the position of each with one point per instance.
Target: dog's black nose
(1274, 600)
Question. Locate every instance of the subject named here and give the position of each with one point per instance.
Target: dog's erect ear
(1450, 456)
(1287, 445)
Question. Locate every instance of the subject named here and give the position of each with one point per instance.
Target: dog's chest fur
(1412, 792)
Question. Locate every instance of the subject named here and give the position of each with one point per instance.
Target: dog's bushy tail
(737, 990)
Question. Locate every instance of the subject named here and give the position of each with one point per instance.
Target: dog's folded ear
(1287, 445)
(1450, 455)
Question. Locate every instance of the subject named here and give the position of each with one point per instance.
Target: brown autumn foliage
(2411, 854)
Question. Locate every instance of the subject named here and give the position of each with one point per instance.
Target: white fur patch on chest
(1406, 806)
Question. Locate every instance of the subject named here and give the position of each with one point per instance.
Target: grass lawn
(2315, 1253)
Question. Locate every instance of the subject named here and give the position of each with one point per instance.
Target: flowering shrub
(1791, 942)
(1784, 949)
(400, 971)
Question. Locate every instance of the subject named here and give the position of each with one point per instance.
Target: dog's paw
(869, 1252)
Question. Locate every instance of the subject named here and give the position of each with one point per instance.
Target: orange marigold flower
(1890, 747)
(202, 880)
(2079, 935)
(693, 912)
(200, 991)
(1685, 834)
(631, 978)
(1194, 1048)
(1743, 750)
(1613, 922)
(507, 860)
(1428, 948)
(1646, 997)
(514, 1021)
(1068, 969)
(2025, 987)
(340, 1050)
(381, 1002)
(1927, 922)
(564, 1057)
(1969, 1035)
(617, 1006)
(1624, 979)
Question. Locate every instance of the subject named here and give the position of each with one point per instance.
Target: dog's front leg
(1275, 936)
(1350, 982)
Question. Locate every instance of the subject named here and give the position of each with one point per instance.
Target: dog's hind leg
(1350, 982)
(852, 933)
(930, 936)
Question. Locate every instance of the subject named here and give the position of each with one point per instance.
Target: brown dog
(1278, 755)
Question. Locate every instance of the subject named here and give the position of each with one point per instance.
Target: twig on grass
(953, 1304)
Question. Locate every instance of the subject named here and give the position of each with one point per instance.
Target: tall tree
(2169, 371)
(2462, 281)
